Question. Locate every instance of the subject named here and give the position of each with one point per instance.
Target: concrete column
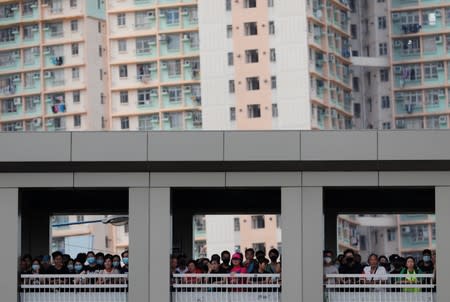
(182, 233)
(331, 231)
(312, 243)
(139, 225)
(9, 233)
(443, 242)
(291, 221)
(159, 245)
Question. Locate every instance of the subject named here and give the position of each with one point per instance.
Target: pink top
(239, 270)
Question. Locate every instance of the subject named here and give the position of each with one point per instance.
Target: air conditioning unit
(49, 123)
(406, 230)
(188, 116)
(331, 58)
(398, 43)
(398, 69)
(163, 65)
(16, 54)
(14, 7)
(36, 100)
(443, 119)
(48, 74)
(153, 92)
(155, 119)
(46, 28)
(36, 76)
(35, 27)
(439, 39)
(166, 117)
(162, 14)
(18, 125)
(35, 51)
(162, 38)
(164, 91)
(151, 14)
(185, 11)
(187, 89)
(37, 122)
(186, 37)
(16, 78)
(437, 13)
(187, 63)
(17, 101)
(334, 113)
(15, 31)
(395, 17)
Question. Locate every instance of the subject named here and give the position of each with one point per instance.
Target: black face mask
(273, 258)
(350, 260)
(260, 259)
(397, 265)
(226, 260)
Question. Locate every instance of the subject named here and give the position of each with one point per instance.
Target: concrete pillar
(442, 242)
(39, 233)
(9, 233)
(312, 243)
(159, 245)
(139, 226)
(292, 246)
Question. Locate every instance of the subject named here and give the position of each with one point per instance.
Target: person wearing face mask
(225, 266)
(427, 266)
(100, 260)
(77, 266)
(70, 266)
(274, 267)
(349, 266)
(91, 267)
(383, 261)
(125, 261)
(328, 267)
(36, 267)
(116, 262)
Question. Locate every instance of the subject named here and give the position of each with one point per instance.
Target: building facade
(47, 79)
(154, 65)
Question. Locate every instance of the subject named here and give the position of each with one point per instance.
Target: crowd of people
(238, 263)
(84, 263)
(378, 267)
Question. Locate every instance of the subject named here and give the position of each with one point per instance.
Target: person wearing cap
(236, 264)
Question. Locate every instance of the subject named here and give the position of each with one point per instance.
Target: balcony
(9, 14)
(404, 3)
(74, 288)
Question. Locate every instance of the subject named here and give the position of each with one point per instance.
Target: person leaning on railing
(411, 272)
(374, 273)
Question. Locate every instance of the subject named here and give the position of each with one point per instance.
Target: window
(123, 71)
(100, 51)
(382, 47)
(369, 104)
(251, 56)
(356, 84)
(271, 28)
(258, 222)
(253, 83)
(101, 74)
(144, 96)
(121, 19)
(384, 75)
(76, 97)
(102, 98)
(73, 3)
(253, 111)
(175, 95)
(232, 113)
(386, 125)
(250, 29)
(74, 25)
(259, 247)
(382, 22)
(143, 45)
(147, 122)
(228, 5)
(75, 49)
(124, 97)
(124, 123)
(237, 224)
(273, 82)
(270, 3)
(273, 55)
(173, 43)
(231, 87)
(385, 102)
(174, 68)
(229, 31)
(75, 73)
(354, 31)
(357, 110)
(77, 120)
(430, 71)
(230, 59)
(80, 218)
(99, 27)
(122, 45)
(172, 16)
(274, 110)
(249, 3)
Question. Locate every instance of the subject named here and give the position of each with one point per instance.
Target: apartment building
(47, 79)
(154, 65)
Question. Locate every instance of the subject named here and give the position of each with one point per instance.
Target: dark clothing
(90, 269)
(224, 269)
(252, 266)
(355, 269)
(54, 271)
(124, 270)
(427, 269)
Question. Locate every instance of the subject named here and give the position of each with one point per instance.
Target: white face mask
(327, 260)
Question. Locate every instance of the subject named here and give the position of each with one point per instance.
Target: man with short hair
(250, 262)
(225, 266)
(58, 267)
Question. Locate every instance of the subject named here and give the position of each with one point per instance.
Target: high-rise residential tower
(52, 64)
(154, 64)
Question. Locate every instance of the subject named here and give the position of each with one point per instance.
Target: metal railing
(226, 288)
(74, 288)
(379, 288)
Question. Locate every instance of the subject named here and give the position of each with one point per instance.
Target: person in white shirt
(374, 273)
